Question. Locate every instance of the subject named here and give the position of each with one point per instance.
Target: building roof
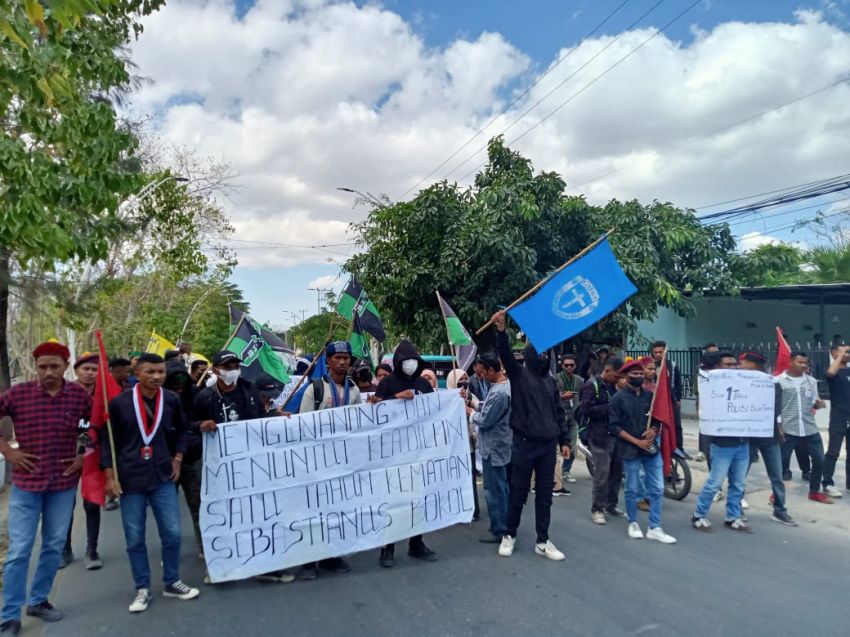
(812, 294)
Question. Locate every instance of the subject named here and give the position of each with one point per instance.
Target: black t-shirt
(839, 395)
(235, 405)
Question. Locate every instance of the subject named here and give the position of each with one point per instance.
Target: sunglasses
(569, 364)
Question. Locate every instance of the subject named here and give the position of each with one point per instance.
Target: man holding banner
(335, 389)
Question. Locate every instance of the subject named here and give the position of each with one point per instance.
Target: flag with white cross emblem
(581, 294)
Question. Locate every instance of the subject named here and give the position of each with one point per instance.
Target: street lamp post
(367, 197)
(130, 204)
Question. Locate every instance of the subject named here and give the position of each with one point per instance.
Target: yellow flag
(159, 345)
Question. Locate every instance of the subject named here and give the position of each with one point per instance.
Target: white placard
(736, 402)
(279, 492)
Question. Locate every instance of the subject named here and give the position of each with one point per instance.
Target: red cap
(52, 348)
(627, 367)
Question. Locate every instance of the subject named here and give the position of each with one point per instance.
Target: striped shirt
(46, 426)
(798, 400)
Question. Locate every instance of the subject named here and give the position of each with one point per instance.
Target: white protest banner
(736, 402)
(279, 492)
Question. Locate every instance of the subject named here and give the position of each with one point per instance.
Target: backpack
(319, 390)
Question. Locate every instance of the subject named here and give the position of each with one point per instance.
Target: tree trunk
(5, 280)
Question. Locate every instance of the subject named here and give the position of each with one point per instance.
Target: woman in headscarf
(458, 379)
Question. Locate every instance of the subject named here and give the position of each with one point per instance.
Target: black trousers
(529, 456)
(836, 438)
(92, 526)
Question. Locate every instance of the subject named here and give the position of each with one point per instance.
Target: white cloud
(305, 96)
(753, 240)
(324, 282)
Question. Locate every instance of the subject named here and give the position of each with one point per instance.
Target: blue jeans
(496, 496)
(164, 504)
(26, 509)
(771, 454)
(653, 466)
(731, 462)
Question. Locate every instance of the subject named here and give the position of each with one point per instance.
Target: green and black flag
(249, 341)
(463, 347)
(354, 300)
(359, 341)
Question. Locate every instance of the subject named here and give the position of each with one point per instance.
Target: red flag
(106, 388)
(662, 411)
(783, 354)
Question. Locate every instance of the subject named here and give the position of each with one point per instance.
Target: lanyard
(146, 429)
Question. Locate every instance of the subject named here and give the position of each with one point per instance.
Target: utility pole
(318, 292)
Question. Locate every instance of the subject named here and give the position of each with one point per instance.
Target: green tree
(485, 245)
(310, 335)
(65, 158)
(771, 264)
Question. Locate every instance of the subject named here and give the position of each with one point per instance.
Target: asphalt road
(777, 581)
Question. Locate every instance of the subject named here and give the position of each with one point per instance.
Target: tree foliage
(483, 246)
(66, 161)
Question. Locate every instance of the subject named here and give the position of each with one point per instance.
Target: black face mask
(636, 382)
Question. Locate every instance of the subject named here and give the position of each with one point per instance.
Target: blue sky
(536, 29)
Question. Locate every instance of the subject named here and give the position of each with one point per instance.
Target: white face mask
(230, 376)
(410, 366)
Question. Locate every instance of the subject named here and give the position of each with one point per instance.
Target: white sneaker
(549, 550)
(598, 517)
(140, 604)
(659, 535)
(718, 496)
(832, 492)
(634, 531)
(569, 478)
(744, 503)
(506, 548)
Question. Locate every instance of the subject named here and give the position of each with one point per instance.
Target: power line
(516, 100)
(292, 245)
(721, 130)
(787, 227)
(762, 194)
(592, 82)
(787, 212)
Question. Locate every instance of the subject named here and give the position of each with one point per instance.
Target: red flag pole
(105, 398)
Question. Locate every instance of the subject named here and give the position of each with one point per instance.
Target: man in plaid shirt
(46, 414)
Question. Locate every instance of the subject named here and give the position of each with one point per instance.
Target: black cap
(223, 357)
(269, 384)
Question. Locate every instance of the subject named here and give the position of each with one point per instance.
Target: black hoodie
(537, 412)
(398, 381)
(194, 446)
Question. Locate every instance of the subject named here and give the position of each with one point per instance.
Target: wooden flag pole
(655, 393)
(105, 371)
(542, 282)
(448, 333)
(304, 377)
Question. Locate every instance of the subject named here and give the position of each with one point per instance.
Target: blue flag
(578, 296)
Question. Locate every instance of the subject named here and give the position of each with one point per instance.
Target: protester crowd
(526, 425)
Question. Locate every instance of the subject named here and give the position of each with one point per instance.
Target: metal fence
(688, 362)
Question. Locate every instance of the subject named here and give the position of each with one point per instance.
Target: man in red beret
(628, 415)
(46, 462)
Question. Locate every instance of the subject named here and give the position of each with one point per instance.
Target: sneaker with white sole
(832, 492)
(718, 496)
(179, 590)
(634, 531)
(140, 603)
(738, 525)
(744, 504)
(598, 517)
(506, 548)
(549, 550)
(659, 535)
(701, 524)
(569, 478)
